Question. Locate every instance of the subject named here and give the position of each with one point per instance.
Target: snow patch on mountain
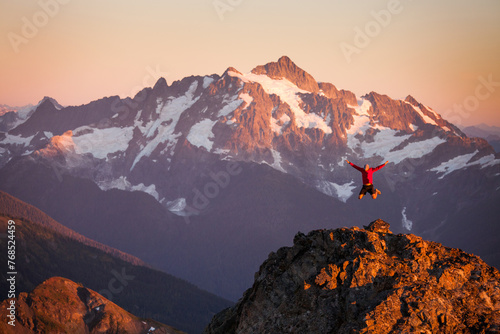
(341, 191)
(432, 111)
(201, 134)
(385, 140)
(453, 164)
(486, 161)
(414, 150)
(363, 107)
(177, 206)
(407, 224)
(382, 144)
(151, 189)
(277, 125)
(207, 81)
(101, 142)
(289, 94)
(119, 183)
(276, 161)
(163, 128)
(361, 122)
(344, 191)
(17, 140)
(247, 98)
(419, 111)
(230, 107)
(123, 184)
(463, 161)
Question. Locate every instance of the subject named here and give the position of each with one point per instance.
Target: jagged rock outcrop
(59, 305)
(285, 68)
(367, 281)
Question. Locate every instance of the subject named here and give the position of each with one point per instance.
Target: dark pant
(368, 188)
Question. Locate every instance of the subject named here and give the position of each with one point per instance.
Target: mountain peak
(48, 99)
(231, 69)
(352, 280)
(411, 100)
(160, 84)
(285, 68)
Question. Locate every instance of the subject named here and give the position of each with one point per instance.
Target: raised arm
(353, 165)
(381, 166)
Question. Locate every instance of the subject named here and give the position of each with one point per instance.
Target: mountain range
(45, 250)
(202, 178)
(488, 132)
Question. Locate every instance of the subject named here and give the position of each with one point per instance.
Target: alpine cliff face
(367, 281)
(189, 146)
(59, 305)
(277, 114)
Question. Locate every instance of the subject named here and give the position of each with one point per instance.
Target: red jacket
(367, 175)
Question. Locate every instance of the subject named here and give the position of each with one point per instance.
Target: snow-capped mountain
(11, 117)
(184, 143)
(277, 114)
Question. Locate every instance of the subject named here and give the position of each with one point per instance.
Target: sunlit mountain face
(203, 177)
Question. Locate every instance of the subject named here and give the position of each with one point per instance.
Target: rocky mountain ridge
(59, 305)
(13, 207)
(490, 133)
(276, 114)
(367, 281)
(175, 142)
(47, 250)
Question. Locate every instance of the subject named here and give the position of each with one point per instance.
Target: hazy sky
(444, 53)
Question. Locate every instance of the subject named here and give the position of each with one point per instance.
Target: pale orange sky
(443, 53)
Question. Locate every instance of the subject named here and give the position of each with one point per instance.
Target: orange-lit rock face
(60, 305)
(59, 144)
(368, 281)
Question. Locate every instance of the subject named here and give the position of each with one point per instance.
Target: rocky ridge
(169, 141)
(367, 281)
(285, 68)
(59, 305)
(277, 114)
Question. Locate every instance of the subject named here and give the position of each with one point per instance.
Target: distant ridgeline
(46, 249)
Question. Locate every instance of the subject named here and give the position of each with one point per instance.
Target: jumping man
(367, 174)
